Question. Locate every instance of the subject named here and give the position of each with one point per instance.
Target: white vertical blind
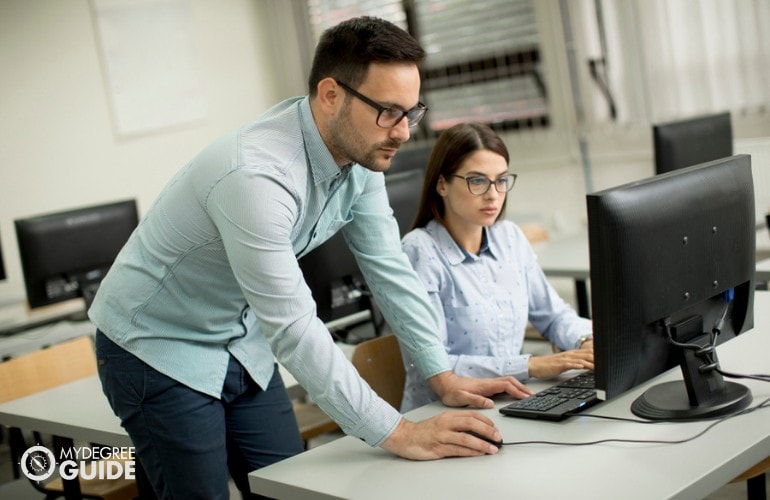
(482, 59)
(670, 59)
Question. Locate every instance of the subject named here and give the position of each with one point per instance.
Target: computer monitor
(693, 141)
(65, 255)
(673, 256)
(413, 158)
(2, 265)
(404, 189)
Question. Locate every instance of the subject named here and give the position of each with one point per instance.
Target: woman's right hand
(554, 364)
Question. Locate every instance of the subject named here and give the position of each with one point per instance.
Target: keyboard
(557, 402)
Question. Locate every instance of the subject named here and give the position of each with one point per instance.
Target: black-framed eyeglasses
(479, 184)
(390, 117)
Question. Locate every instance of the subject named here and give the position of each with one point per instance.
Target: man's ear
(330, 95)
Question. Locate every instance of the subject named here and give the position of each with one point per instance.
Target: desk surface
(348, 468)
(78, 410)
(565, 257)
(18, 317)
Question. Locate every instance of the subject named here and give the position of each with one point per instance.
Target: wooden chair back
(379, 362)
(47, 368)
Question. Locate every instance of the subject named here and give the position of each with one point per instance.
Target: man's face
(354, 134)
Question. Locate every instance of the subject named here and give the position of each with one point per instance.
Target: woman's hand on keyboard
(554, 364)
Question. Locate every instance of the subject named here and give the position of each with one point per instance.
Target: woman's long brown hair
(451, 148)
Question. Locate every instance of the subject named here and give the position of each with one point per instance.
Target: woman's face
(464, 210)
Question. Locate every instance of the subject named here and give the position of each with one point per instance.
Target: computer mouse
(499, 444)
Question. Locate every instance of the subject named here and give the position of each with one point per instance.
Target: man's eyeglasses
(479, 184)
(390, 117)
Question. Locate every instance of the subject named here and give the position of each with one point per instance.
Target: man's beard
(347, 142)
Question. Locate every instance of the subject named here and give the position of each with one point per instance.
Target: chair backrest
(47, 368)
(379, 362)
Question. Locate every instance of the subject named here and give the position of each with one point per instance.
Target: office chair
(380, 364)
(44, 369)
(312, 421)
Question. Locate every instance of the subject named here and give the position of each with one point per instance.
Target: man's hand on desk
(444, 435)
(466, 391)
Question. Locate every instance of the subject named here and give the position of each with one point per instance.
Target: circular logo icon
(38, 463)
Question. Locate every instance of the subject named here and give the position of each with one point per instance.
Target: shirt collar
(320, 159)
(452, 251)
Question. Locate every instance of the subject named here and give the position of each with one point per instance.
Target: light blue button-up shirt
(484, 302)
(212, 270)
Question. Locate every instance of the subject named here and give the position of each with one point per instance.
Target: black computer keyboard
(556, 402)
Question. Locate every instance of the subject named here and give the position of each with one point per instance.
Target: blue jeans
(188, 442)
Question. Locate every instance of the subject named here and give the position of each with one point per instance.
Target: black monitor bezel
(43, 253)
(3, 276)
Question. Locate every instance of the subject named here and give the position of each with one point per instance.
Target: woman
(481, 272)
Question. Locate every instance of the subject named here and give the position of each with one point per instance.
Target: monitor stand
(703, 393)
(670, 401)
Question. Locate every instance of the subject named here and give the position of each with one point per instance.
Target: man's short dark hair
(346, 50)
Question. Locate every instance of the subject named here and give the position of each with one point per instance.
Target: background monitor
(2, 265)
(414, 158)
(65, 255)
(331, 271)
(690, 142)
(673, 254)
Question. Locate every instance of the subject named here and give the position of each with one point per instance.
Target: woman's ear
(441, 186)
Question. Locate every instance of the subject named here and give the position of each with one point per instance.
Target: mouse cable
(763, 404)
(756, 376)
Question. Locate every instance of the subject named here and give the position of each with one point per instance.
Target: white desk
(18, 317)
(348, 468)
(30, 340)
(78, 410)
(568, 257)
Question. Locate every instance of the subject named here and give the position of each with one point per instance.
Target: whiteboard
(150, 63)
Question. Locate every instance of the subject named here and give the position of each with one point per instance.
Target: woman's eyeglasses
(479, 184)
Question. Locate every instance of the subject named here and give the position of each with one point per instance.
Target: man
(208, 290)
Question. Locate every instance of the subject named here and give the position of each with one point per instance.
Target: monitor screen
(672, 272)
(65, 255)
(690, 142)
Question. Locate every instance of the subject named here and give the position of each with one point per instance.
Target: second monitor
(65, 254)
(692, 141)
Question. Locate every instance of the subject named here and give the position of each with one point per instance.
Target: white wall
(58, 149)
